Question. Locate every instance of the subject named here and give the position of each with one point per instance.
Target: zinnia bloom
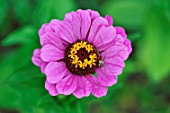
(74, 49)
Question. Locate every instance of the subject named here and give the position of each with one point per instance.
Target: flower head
(74, 49)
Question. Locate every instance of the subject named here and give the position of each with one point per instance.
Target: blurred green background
(144, 86)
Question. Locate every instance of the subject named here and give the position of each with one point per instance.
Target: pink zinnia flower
(74, 49)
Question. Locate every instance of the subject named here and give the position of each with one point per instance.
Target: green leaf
(134, 36)
(47, 10)
(18, 64)
(127, 13)
(24, 35)
(47, 104)
(18, 61)
(4, 18)
(9, 97)
(154, 49)
(24, 96)
(23, 10)
(7, 66)
(6, 70)
(3, 10)
(26, 73)
(164, 7)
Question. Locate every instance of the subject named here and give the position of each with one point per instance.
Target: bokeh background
(144, 85)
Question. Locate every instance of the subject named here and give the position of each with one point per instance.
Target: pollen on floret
(81, 56)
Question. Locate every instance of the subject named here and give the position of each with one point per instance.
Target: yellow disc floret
(89, 48)
(90, 61)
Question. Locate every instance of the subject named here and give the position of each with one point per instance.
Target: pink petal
(38, 61)
(117, 39)
(105, 46)
(106, 80)
(67, 85)
(109, 19)
(53, 39)
(104, 36)
(118, 49)
(85, 23)
(43, 66)
(96, 25)
(84, 87)
(97, 89)
(111, 69)
(112, 66)
(74, 19)
(121, 31)
(53, 26)
(127, 43)
(116, 61)
(51, 53)
(36, 57)
(66, 33)
(49, 33)
(93, 14)
(51, 88)
(55, 71)
(42, 29)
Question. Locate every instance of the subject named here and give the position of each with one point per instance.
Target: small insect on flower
(101, 62)
(74, 49)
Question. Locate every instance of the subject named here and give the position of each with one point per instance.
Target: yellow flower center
(82, 58)
(80, 62)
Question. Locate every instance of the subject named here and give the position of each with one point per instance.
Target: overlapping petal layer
(86, 25)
